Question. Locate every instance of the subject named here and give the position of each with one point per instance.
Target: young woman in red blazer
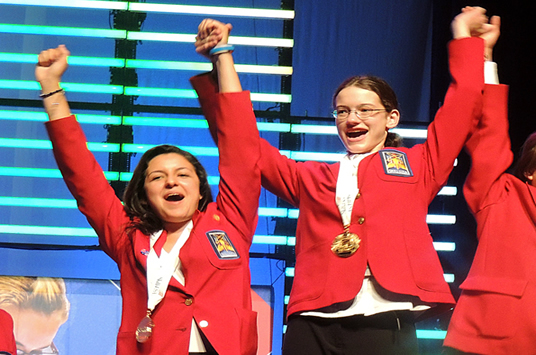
(496, 311)
(365, 261)
(201, 301)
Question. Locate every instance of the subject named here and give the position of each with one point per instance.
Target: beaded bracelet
(219, 49)
(44, 96)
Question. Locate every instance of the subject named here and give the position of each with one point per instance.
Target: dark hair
(526, 163)
(135, 199)
(385, 93)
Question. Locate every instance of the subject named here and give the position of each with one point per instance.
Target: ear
(529, 176)
(393, 119)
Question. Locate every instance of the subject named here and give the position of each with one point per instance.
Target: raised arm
(214, 34)
(278, 172)
(51, 64)
(489, 145)
(233, 126)
(81, 172)
(456, 118)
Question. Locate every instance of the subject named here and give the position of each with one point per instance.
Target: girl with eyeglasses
(366, 266)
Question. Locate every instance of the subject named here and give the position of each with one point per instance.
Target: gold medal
(145, 328)
(345, 244)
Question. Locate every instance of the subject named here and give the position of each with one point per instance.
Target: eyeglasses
(343, 113)
(49, 350)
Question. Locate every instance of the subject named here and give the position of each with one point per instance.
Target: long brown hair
(135, 199)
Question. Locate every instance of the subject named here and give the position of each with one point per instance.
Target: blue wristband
(224, 48)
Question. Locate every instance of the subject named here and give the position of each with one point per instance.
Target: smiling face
(363, 135)
(172, 189)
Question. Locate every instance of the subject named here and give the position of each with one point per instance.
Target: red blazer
(217, 292)
(390, 214)
(496, 312)
(7, 340)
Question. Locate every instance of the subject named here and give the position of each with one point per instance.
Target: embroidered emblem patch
(222, 245)
(395, 163)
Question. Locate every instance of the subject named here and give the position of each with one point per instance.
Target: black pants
(384, 333)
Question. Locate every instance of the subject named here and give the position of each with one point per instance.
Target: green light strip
(190, 94)
(213, 10)
(46, 230)
(163, 64)
(431, 334)
(37, 202)
(45, 173)
(273, 127)
(147, 64)
(283, 98)
(135, 120)
(164, 122)
(73, 60)
(88, 4)
(93, 88)
(201, 151)
(273, 212)
(198, 66)
(42, 117)
(160, 92)
(62, 31)
(143, 7)
(46, 144)
(74, 87)
(19, 85)
(23, 115)
(190, 38)
(212, 180)
(270, 239)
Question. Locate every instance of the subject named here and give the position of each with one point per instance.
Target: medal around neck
(345, 244)
(145, 328)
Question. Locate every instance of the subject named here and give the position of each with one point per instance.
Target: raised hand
(490, 34)
(209, 34)
(51, 64)
(469, 23)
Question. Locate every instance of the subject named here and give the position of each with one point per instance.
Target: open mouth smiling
(174, 197)
(356, 134)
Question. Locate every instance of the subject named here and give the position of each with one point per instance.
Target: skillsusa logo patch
(222, 245)
(395, 163)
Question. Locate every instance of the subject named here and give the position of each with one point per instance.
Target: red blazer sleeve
(233, 126)
(86, 181)
(7, 340)
(489, 148)
(455, 119)
(272, 160)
